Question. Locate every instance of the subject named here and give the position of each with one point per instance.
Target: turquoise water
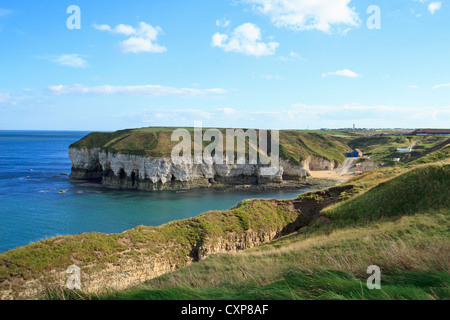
(34, 168)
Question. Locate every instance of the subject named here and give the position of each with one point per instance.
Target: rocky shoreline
(308, 183)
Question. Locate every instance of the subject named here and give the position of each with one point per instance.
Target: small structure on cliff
(355, 154)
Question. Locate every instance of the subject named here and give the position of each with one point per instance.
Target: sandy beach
(330, 174)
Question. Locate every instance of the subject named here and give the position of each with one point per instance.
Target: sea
(38, 200)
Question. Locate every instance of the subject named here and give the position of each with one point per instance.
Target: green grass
(417, 191)
(384, 149)
(295, 146)
(304, 285)
(435, 153)
(410, 253)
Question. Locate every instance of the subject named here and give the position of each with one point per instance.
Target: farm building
(404, 150)
(430, 132)
(354, 154)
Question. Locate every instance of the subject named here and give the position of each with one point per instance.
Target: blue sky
(274, 64)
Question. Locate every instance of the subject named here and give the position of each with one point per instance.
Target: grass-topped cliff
(156, 142)
(295, 145)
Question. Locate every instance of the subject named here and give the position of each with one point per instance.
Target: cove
(37, 200)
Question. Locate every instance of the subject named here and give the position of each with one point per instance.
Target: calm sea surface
(34, 168)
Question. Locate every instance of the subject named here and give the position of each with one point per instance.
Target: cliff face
(316, 163)
(132, 270)
(126, 171)
(141, 159)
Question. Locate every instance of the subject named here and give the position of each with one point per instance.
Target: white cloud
(370, 113)
(142, 39)
(434, 6)
(125, 29)
(308, 14)
(444, 85)
(142, 90)
(413, 86)
(137, 44)
(342, 73)
(70, 60)
(300, 115)
(102, 27)
(223, 22)
(346, 115)
(185, 116)
(18, 97)
(177, 117)
(228, 111)
(245, 39)
(293, 56)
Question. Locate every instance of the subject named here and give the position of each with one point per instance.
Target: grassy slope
(400, 225)
(297, 146)
(384, 149)
(417, 191)
(294, 145)
(434, 153)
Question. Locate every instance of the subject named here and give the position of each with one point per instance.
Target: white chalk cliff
(118, 170)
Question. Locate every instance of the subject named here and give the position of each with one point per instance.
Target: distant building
(396, 159)
(354, 154)
(428, 132)
(404, 150)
